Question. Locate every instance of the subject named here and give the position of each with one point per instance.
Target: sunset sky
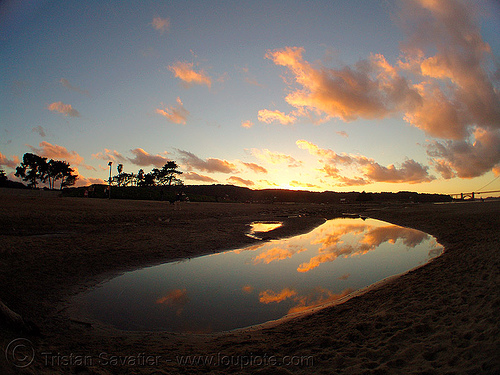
(343, 95)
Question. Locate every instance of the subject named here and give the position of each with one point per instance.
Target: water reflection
(262, 227)
(264, 282)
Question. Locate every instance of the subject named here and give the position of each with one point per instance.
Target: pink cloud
(110, 155)
(65, 109)
(210, 165)
(193, 176)
(143, 158)
(69, 86)
(343, 134)
(57, 152)
(255, 167)
(161, 24)
(176, 113)
(11, 163)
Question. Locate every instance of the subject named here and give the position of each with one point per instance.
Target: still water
(264, 282)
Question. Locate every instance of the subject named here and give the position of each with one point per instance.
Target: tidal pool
(262, 227)
(260, 283)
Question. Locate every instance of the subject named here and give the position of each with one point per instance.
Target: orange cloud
(247, 124)
(409, 172)
(269, 296)
(4, 161)
(240, 181)
(65, 109)
(298, 184)
(444, 84)
(247, 289)
(267, 116)
(185, 72)
(369, 89)
(275, 157)
(176, 114)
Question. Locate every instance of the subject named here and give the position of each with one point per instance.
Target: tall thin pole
(109, 181)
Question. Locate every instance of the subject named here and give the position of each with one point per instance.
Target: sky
(351, 95)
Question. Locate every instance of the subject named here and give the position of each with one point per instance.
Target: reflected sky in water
(258, 227)
(244, 287)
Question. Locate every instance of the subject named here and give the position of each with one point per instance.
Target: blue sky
(319, 95)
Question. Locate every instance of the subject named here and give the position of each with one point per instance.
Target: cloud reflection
(368, 238)
(315, 297)
(277, 253)
(176, 298)
(269, 296)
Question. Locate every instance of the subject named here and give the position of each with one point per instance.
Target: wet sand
(438, 319)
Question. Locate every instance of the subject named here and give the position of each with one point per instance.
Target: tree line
(165, 176)
(35, 169)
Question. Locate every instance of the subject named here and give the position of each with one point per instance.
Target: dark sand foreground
(442, 318)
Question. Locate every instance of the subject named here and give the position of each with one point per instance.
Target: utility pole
(109, 181)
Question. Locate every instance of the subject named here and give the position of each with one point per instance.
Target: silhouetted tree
(123, 178)
(35, 168)
(168, 174)
(120, 177)
(59, 170)
(139, 178)
(68, 180)
(3, 177)
(32, 169)
(149, 179)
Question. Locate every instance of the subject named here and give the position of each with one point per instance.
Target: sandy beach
(441, 318)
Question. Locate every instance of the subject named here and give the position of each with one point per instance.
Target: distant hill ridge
(232, 193)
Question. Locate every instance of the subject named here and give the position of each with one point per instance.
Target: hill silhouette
(232, 193)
